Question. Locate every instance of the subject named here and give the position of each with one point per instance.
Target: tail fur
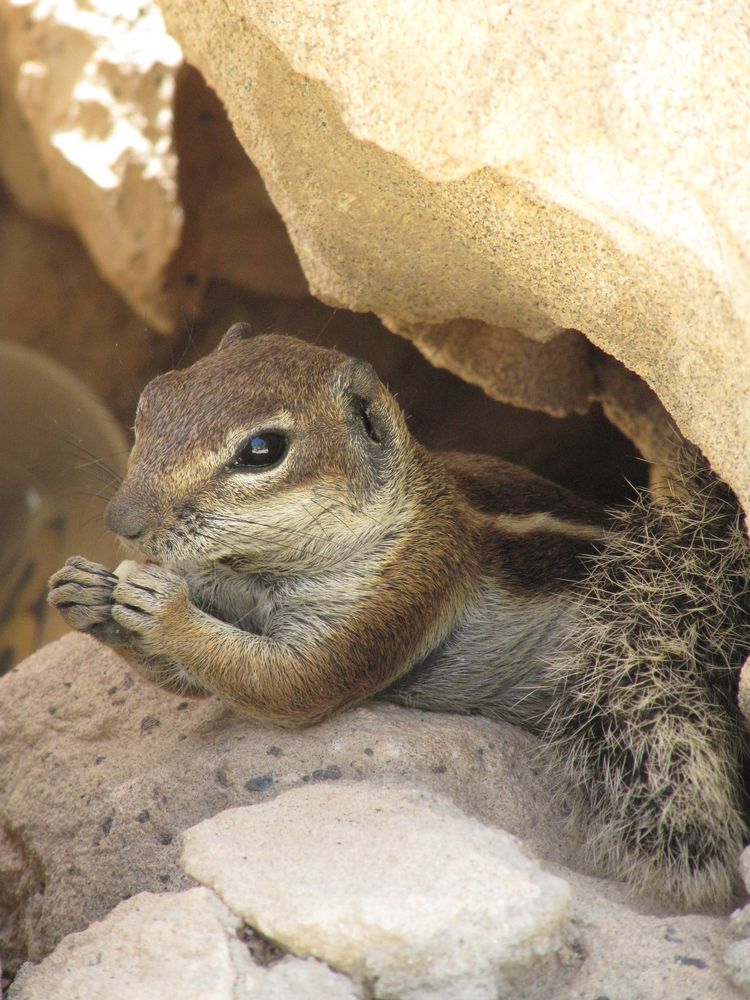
(644, 724)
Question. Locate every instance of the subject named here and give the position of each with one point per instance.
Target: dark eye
(260, 451)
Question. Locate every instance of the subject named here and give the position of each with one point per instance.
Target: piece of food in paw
(126, 567)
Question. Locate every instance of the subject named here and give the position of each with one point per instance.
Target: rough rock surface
(94, 84)
(100, 773)
(460, 164)
(182, 944)
(104, 130)
(737, 953)
(232, 231)
(363, 878)
(391, 885)
(612, 948)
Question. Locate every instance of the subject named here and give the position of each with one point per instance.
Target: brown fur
(360, 564)
(425, 536)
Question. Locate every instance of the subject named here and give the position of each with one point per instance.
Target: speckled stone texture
(100, 774)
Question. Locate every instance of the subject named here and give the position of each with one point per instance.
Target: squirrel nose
(124, 518)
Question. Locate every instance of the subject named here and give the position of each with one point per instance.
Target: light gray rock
(181, 945)
(737, 953)
(629, 952)
(149, 946)
(301, 979)
(398, 888)
(395, 886)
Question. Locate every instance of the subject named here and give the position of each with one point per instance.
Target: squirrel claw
(82, 593)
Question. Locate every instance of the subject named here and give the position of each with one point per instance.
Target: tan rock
(394, 886)
(100, 773)
(54, 300)
(97, 107)
(21, 166)
(557, 377)
(435, 167)
(232, 231)
(95, 84)
(182, 944)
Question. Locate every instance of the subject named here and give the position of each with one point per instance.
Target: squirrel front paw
(82, 592)
(148, 602)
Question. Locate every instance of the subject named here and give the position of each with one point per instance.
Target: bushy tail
(644, 724)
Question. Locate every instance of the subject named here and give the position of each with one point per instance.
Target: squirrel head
(269, 455)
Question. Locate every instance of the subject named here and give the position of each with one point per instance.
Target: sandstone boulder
(489, 251)
(459, 164)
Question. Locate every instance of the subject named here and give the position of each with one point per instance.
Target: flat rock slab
(394, 886)
(398, 888)
(182, 945)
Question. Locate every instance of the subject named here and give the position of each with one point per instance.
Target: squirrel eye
(261, 451)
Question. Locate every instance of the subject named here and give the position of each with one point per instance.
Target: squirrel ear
(360, 379)
(237, 331)
(366, 400)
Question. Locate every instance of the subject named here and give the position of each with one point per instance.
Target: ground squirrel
(307, 553)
